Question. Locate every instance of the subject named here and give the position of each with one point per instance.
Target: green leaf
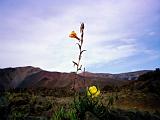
(79, 45)
(75, 63)
(83, 51)
(80, 68)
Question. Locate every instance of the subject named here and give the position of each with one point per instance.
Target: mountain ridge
(123, 76)
(33, 77)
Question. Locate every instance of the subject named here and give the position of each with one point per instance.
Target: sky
(119, 35)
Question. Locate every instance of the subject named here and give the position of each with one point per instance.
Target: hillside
(134, 100)
(31, 77)
(12, 77)
(148, 82)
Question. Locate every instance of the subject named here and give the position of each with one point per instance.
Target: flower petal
(93, 90)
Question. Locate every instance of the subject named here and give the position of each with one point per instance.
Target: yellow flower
(93, 91)
(73, 35)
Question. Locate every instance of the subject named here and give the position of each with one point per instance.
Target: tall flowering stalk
(77, 63)
(90, 101)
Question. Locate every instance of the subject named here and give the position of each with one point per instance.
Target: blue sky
(120, 36)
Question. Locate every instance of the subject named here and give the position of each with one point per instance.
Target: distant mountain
(50, 80)
(120, 76)
(31, 77)
(12, 77)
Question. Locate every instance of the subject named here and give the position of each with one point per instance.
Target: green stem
(80, 56)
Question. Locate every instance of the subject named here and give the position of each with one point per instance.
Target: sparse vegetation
(24, 105)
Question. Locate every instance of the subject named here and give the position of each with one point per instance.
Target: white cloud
(45, 43)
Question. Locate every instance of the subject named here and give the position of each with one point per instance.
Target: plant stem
(80, 52)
